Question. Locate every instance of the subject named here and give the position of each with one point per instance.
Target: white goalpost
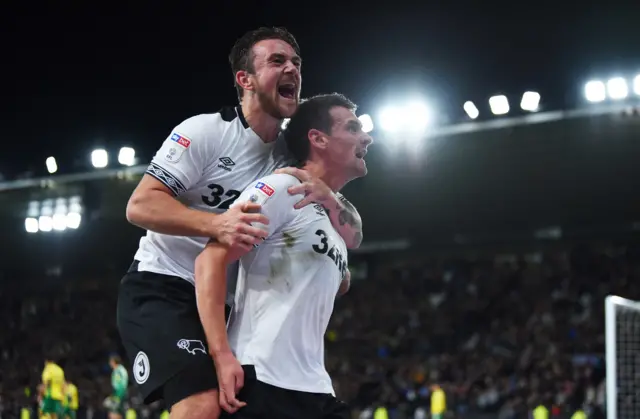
(622, 347)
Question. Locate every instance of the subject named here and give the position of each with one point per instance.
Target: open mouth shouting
(287, 90)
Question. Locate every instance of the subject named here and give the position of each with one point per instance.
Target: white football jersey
(286, 290)
(207, 161)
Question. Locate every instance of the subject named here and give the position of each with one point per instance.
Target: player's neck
(330, 177)
(264, 125)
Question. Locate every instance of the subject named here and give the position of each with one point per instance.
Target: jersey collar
(241, 116)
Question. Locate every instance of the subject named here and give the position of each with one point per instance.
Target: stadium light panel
(530, 101)
(471, 109)
(59, 222)
(367, 122)
(31, 225)
(99, 158)
(636, 85)
(412, 118)
(499, 105)
(617, 88)
(595, 91)
(73, 220)
(45, 223)
(51, 164)
(127, 156)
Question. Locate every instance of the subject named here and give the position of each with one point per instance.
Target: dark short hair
(312, 113)
(241, 56)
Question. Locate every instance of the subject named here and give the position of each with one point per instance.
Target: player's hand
(233, 228)
(230, 381)
(314, 189)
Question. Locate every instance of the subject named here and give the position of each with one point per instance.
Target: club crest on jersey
(266, 189)
(176, 145)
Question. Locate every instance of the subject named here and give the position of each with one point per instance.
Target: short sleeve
(271, 192)
(180, 161)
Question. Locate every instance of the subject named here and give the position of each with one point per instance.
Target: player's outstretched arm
(152, 206)
(211, 291)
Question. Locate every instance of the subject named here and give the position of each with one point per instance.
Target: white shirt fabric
(206, 161)
(286, 290)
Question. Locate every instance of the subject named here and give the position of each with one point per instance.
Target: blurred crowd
(500, 332)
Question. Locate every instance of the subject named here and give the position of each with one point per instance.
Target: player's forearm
(346, 220)
(159, 212)
(211, 291)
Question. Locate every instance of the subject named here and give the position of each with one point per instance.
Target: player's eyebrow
(294, 59)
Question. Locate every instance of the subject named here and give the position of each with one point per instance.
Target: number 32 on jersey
(219, 198)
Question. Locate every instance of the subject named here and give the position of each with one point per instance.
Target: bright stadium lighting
(499, 105)
(412, 118)
(636, 85)
(59, 222)
(31, 225)
(127, 156)
(73, 220)
(99, 158)
(530, 101)
(471, 109)
(52, 166)
(617, 88)
(367, 122)
(45, 223)
(595, 91)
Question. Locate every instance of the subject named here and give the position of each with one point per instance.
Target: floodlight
(99, 158)
(127, 156)
(595, 91)
(617, 88)
(499, 105)
(367, 122)
(45, 223)
(51, 164)
(31, 225)
(530, 101)
(471, 109)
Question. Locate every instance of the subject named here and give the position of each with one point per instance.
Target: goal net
(622, 328)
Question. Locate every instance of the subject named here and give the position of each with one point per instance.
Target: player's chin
(360, 168)
(287, 106)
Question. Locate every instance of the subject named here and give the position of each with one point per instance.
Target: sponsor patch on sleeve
(265, 189)
(174, 148)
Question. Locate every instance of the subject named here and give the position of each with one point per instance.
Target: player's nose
(367, 140)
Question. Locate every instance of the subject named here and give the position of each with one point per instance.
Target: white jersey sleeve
(187, 151)
(271, 192)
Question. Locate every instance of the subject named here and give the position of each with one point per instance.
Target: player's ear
(318, 139)
(244, 81)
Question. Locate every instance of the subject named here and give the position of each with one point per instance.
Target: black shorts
(158, 320)
(265, 401)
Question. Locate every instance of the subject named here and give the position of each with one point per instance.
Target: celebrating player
(53, 389)
(184, 199)
(287, 286)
